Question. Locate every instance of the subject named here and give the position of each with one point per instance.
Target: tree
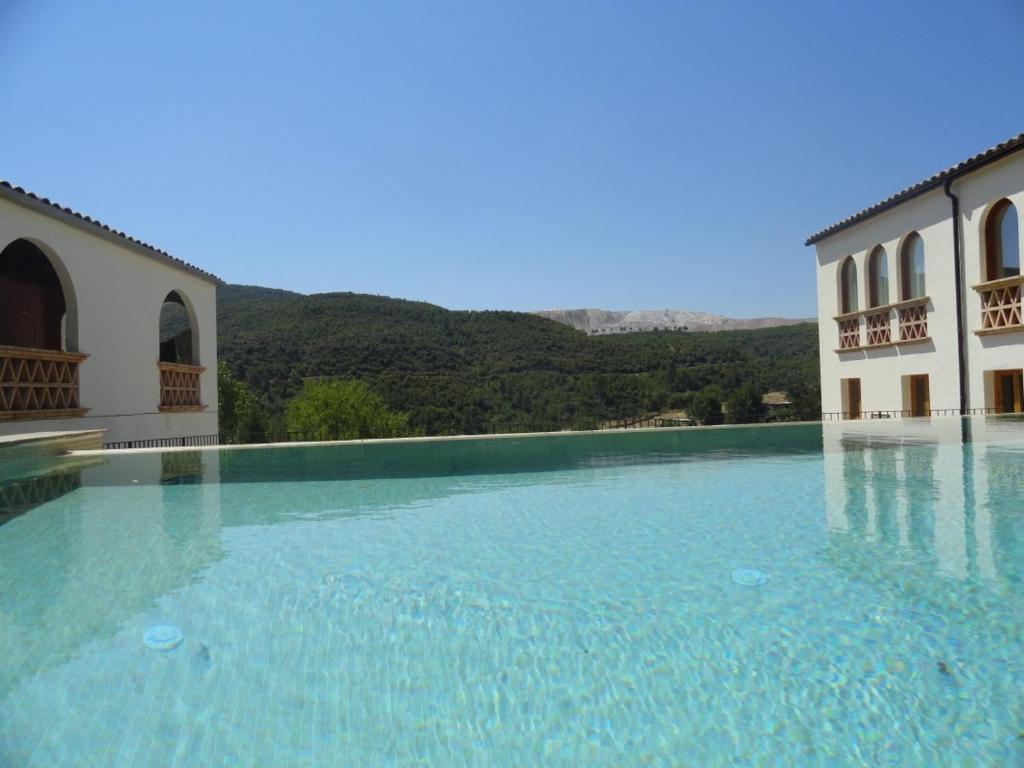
(745, 406)
(806, 399)
(671, 375)
(706, 406)
(343, 409)
(242, 415)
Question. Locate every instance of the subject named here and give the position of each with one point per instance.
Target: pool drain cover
(748, 577)
(163, 637)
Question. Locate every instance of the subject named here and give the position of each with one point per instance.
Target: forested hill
(468, 372)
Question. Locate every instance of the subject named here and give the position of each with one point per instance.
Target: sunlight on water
(550, 601)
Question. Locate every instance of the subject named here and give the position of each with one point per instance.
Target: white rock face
(602, 321)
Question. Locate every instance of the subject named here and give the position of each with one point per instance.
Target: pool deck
(58, 442)
(32, 453)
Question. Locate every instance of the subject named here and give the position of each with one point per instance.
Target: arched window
(177, 342)
(848, 287)
(912, 267)
(878, 277)
(1002, 241)
(32, 306)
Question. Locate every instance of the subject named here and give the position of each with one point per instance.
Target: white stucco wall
(117, 295)
(978, 192)
(882, 371)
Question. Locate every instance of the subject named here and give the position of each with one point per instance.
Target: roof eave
(44, 206)
(991, 155)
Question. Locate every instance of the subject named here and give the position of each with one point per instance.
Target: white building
(919, 296)
(99, 330)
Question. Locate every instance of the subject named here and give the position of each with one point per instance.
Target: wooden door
(1009, 394)
(853, 398)
(920, 399)
(22, 314)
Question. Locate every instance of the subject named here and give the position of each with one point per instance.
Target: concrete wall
(114, 295)
(883, 372)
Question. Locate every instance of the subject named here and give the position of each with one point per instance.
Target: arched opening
(1002, 241)
(180, 371)
(878, 277)
(33, 309)
(848, 287)
(39, 358)
(177, 336)
(912, 268)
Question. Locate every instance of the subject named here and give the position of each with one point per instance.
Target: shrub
(744, 405)
(706, 406)
(343, 409)
(242, 415)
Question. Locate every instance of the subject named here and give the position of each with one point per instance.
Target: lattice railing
(849, 333)
(879, 327)
(39, 383)
(1001, 303)
(913, 321)
(179, 387)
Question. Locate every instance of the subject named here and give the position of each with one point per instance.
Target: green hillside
(472, 372)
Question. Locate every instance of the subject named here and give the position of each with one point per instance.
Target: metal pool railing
(191, 441)
(904, 414)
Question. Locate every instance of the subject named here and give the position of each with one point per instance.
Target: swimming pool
(746, 596)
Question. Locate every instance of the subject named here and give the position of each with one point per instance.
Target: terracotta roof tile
(46, 206)
(965, 166)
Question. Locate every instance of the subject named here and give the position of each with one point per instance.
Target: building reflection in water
(942, 493)
(100, 558)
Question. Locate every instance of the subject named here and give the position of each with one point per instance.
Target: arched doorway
(177, 335)
(178, 355)
(32, 304)
(1002, 242)
(38, 336)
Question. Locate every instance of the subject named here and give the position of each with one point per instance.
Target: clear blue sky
(517, 155)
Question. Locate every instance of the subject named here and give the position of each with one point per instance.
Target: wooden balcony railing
(912, 317)
(849, 333)
(879, 326)
(179, 387)
(39, 384)
(1001, 305)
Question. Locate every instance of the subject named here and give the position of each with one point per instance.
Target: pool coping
(431, 439)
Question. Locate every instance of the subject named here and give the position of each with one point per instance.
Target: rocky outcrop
(602, 321)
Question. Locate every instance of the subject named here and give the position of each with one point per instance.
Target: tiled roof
(932, 182)
(81, 221)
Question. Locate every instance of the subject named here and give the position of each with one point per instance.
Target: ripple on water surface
(855, 608)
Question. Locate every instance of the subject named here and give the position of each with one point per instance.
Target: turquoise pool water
(546, 601)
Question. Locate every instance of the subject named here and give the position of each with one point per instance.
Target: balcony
(179, 387)
(849, 332)
(39, 384)
(912, 318)
(912, 325)
(1001, 306)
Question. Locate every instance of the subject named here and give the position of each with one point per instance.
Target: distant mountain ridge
(603, 321)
